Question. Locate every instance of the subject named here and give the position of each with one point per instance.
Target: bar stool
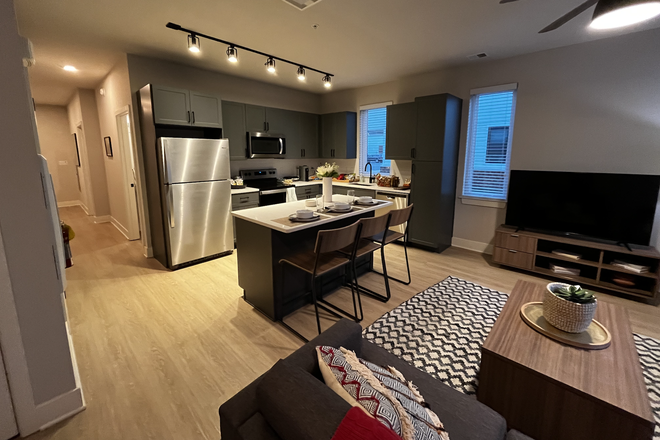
(397, 217)
(324, 258)
(370, 227)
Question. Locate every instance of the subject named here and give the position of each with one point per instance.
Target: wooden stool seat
(364, 247)
(389, 238)
(326, 262)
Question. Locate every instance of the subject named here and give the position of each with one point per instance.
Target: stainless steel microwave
(266, 145)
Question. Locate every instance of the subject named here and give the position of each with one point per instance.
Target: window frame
(484, 200)
(360, 163)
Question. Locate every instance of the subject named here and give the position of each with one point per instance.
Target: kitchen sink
(361, 184)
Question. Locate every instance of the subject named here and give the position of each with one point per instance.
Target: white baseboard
(58, 409)
(148, 251)
(82, 205)
(69, 203)
(102, 219)
(484, 248)
(119, 227)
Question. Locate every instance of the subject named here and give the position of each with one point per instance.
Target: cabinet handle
(245, 198)
(515, 235)
(193, 117)
(302, 152)
(189, 116)
(413, 152)
(512, 251)
(413, 168)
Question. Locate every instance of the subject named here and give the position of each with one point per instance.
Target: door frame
(8, 426)
(88, 204)
(128, 162)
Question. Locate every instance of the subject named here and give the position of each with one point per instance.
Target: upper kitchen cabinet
(233, 119)
(170, 106)
(438, 127)
(401, 131)
(182, 107)
(255, 118)
(338, 135)
(309, 135)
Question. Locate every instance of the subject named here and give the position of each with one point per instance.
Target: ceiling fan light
(232, 54)
(610, 14)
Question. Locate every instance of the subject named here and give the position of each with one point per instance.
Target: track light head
(327, 81)
(301, 73)
(193, 43)
(610, 14)
(270, 65)
(232, 54)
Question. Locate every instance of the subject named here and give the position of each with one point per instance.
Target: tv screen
(616, 207)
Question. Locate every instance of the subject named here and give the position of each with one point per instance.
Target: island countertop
(267, 215)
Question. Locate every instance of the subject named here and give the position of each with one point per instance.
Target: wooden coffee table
(548, 390)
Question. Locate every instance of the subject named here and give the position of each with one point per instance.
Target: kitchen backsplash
(287, 167)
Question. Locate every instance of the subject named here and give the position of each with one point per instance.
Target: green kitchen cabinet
(233, 119)
(338, 135)
(401, 132)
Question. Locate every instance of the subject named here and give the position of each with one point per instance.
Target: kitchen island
(264, 236)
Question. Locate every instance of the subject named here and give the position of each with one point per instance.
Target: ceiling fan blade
(507, 1)
(568, 17)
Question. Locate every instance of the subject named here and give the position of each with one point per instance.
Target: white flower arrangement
(328, 170)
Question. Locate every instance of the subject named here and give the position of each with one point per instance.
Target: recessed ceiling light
(70, 68)
(610, 14)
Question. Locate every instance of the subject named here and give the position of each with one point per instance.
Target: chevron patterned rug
(441, 330)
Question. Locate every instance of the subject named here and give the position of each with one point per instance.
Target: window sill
(488, 203)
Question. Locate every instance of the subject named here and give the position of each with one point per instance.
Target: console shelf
(532, 251)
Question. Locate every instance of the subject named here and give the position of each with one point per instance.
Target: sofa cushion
(463, 416)
(297, 405)
(385, 394)
(344, 333)
(357, 425)
(257, 427)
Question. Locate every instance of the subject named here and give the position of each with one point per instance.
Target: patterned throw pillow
(383, 393)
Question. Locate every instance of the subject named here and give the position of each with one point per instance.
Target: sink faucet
(371, 179)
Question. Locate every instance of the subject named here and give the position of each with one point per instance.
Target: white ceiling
(362, 42)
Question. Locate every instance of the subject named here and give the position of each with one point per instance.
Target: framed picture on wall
(108, 146)
(75, 140)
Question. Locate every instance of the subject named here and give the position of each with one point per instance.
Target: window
(373, 120)
(490, 130)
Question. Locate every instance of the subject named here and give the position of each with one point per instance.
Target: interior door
(8, 428)
(206, 110)
(125, 137)
(171, 106)
(199, 220)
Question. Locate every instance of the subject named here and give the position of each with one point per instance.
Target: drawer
(239, 200)
(512, 257)
(515, 241)
(310, 190)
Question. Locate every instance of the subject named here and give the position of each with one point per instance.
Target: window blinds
(490, 131)
(373, 123)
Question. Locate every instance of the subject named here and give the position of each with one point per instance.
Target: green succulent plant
(575, 294)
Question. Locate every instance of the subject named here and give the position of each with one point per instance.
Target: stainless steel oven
(271, 189)
(266, 145)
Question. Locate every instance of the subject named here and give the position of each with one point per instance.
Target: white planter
(567, 315)
(327, 189)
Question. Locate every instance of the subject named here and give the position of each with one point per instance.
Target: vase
(327, 189)
(565, 315)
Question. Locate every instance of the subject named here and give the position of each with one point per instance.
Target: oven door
(267, 145)
(272, 197)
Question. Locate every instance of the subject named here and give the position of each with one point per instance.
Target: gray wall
(589, 107)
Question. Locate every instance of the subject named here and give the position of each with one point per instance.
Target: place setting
(304, 216)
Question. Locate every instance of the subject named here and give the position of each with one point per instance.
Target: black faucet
(371, 179)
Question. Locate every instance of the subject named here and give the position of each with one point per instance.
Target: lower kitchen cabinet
(243, 201)
(433, 193)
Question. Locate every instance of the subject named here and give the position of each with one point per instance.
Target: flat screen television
(612, 207)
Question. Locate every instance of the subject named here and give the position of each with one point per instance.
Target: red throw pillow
(357, 425)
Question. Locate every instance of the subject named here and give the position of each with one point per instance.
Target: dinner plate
(340, 210)
(294, 218)
(373, 202)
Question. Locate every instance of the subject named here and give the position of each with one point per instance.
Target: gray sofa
(291, 401)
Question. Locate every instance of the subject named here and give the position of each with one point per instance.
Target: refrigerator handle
(170, 206)
(166, 166)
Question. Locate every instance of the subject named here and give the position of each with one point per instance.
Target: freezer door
(193, 160)
(199, 220)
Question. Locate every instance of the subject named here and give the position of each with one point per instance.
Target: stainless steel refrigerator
(195, 198)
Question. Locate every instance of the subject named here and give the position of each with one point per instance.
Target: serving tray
(595, 337)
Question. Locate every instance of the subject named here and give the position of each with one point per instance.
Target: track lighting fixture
(270, 65)
(193, 43)
(610, 14)
(232, 54)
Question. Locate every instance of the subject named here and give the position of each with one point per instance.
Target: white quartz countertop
(245, 190)
(265, 215)
(367, 186)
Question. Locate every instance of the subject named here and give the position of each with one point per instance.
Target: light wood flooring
(159, 351)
